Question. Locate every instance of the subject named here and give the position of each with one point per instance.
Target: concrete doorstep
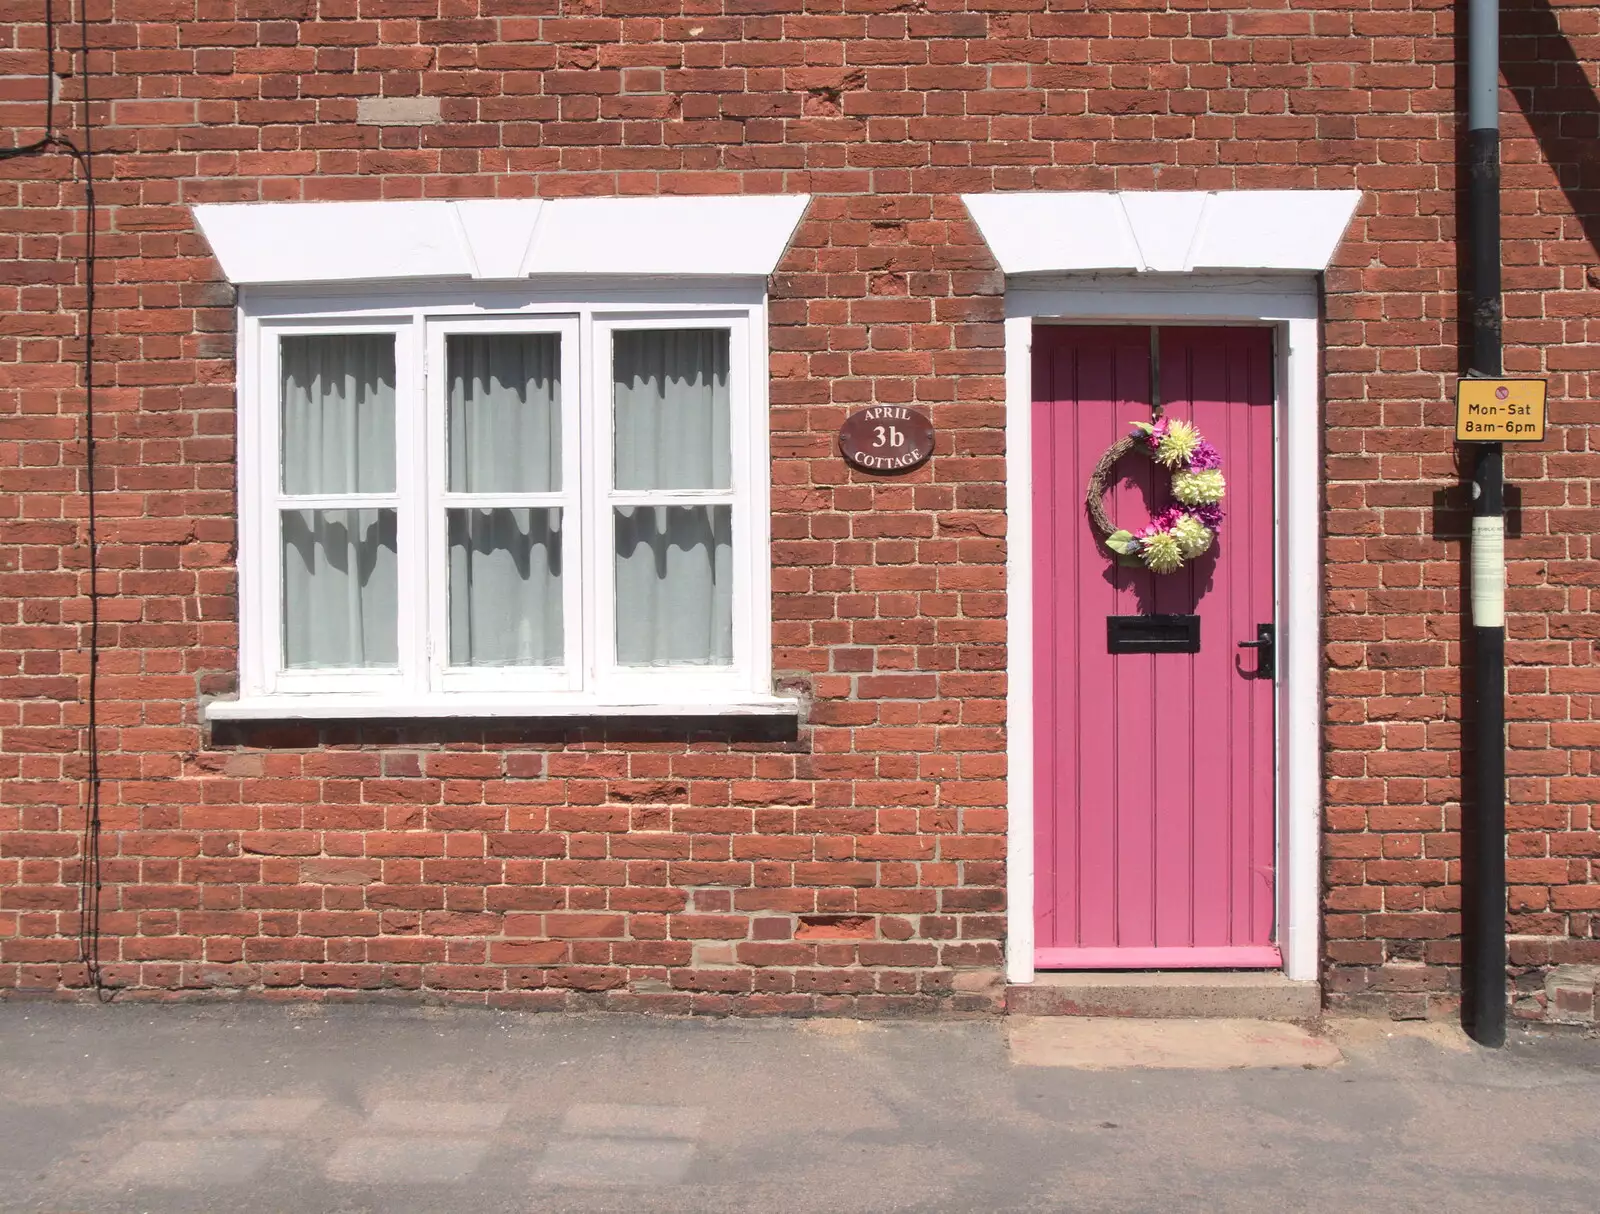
(1180, 994)
(1095, 1043)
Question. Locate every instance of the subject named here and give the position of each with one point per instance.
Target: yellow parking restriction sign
(1499, 410)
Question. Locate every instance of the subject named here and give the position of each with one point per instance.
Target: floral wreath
(1179, 533)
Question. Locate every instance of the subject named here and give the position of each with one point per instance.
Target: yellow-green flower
(1177, 445)
(1199, 488)
(1193, 536)
(1161, 552)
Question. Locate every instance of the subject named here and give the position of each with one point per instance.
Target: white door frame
(1288, 303)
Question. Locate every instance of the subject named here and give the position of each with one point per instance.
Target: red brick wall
(553, 866)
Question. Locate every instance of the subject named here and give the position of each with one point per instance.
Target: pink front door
(1154, 770)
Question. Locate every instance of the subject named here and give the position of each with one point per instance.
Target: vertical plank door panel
(1111, 367)
(1155, 773)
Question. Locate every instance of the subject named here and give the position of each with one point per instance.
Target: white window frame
(591, 683)
(648, 683)
(260, 531)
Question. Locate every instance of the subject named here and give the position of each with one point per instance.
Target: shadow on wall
(1554, 93)
(782, 732)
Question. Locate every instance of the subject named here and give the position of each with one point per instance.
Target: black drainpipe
(1484, 892)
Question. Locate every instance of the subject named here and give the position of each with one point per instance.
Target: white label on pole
(1489, 572)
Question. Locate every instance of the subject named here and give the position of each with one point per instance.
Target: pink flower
(1152, 437)
(1162, 522)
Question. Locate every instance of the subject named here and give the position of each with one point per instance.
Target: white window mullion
(671, 497)
(260, 564)
(500, 501)
(576, 521)
(437, 571)
(339, 501)
(751, 518)
(411, 481)
(600, 633)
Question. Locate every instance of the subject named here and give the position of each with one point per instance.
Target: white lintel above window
(539, 495)
(498, 239)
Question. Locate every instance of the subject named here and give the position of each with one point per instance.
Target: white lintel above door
(1163, 231)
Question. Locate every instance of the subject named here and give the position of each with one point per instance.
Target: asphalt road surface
(245, 1108)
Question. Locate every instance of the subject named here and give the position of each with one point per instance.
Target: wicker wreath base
(1094, 499)
(1183, 531)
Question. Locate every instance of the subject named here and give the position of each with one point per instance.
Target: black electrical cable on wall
(82, 155)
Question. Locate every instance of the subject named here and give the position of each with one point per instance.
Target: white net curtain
(671, 525)
(505, 438)
(340, 584)
(674, 563)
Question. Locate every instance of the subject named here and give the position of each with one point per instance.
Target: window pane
(505, 587)
(674, 585)
(338, 413)
(505, 412)
(340, 593)
(671, 409)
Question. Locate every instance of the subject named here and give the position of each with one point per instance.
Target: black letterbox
(1152, 634)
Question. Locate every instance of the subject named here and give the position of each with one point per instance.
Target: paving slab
(437, 1116)
(385, 1161)
(239, 1116)
(1104, 1043)
(614, 1161)
(633, 1121)
(194, 1162)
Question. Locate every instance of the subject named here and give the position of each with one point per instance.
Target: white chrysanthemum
(1161, 552)
(1199, 488)
(1177, 445)
(1193, 536)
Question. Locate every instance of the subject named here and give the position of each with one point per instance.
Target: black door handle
(1266, 643)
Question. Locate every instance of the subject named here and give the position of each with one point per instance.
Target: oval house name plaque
(886, 438)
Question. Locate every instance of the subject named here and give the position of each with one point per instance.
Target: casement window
(539, 510)
(503, 457)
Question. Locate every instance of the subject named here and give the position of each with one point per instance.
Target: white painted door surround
(1241, 257)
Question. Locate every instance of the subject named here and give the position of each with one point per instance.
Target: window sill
(349, 708)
